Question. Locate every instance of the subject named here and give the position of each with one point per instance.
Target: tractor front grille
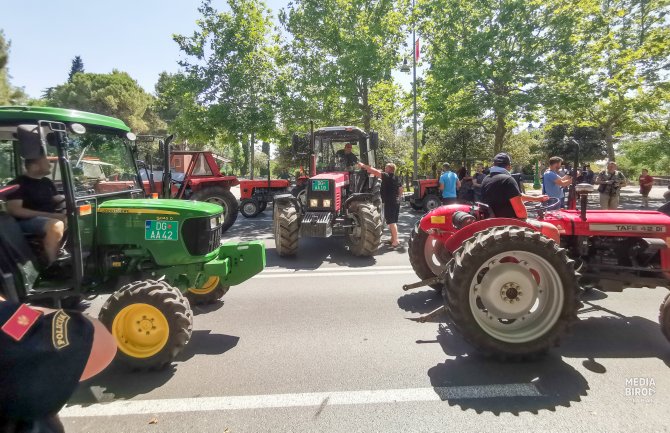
(199, 236)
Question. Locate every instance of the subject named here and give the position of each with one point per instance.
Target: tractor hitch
(422, 283)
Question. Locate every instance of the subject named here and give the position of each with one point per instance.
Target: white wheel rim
(516, 296)
(432, 204)
(249, 208)
(435, 255)
(220, 202)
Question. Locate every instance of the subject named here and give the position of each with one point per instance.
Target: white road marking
(341, 273)
(207, 404)
(331, 269)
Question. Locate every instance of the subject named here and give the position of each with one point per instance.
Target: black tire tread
(208, 298)
(417, 241)
(371, 236)
(249, 200)
(664, 317)
(287, 230)
(232, 207)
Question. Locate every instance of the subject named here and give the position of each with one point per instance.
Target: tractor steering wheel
(534, 206)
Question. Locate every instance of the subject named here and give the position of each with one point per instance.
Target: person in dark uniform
(391, 192)
(43, 355)
(347, 156)
(501, 192)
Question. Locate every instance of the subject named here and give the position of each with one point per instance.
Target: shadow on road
(489, 386)
(422, 302)
(118, 382)
(207, 308)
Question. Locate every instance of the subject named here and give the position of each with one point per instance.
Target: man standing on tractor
(646, 182)
(449, 184)
(610, 182)
(554, 182)
(391, 193)
(501, 192)
(34, 203)
(347, 155)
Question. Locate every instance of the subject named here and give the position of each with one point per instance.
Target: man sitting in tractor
(347, 155)
(33, 205)
(501, 192)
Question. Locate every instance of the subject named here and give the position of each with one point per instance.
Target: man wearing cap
(347, 155)
(501, 192)
(449, 185)
(44, 354)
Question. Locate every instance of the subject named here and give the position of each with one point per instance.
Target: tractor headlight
(214, 222)
(326, 202)
(313, 202)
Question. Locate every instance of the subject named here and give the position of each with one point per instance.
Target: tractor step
(422, 283)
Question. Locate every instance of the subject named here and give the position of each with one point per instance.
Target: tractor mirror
(374, 140)
(130, 136)
(78, 128)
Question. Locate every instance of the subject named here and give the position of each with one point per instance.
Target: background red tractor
(512, 286)
(256, 194)
(336, 200)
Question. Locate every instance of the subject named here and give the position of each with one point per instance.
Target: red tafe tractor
(337, 199)
(512, 286)
(426, 195)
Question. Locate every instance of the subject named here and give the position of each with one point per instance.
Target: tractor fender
(439, 220)
(455, 240)
(360, 196)
(282, 199)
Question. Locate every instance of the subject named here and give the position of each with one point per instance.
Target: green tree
(232, 57)
(591, 140)
(338, 52)
(619, 77)
(9, 95)
(115, 94)
(77, 67)
(488, 59)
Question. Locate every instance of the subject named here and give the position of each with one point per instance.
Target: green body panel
(17, 113)
(243, 260)
(123, 222)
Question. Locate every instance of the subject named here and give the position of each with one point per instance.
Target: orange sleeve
(519, 207)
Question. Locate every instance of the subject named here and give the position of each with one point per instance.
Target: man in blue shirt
(449, 183)
(553, 182)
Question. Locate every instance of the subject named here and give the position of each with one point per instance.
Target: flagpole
(414, 53)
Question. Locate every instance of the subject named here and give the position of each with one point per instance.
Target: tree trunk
(365, 108)
(501, 130)
(609, 140)
(251, 154)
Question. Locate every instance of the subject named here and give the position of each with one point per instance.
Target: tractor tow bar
(426, 282)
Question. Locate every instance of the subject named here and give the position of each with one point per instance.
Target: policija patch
(59, 329)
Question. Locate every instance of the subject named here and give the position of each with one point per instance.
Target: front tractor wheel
(249, 207)
(151, 322)
(286, 229)
(224, 198)
(208, 293)
(511, 292)
(366, 235)
(427, 255)
(664, 317)
(431, 202)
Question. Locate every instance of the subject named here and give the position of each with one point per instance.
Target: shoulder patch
(59, 334)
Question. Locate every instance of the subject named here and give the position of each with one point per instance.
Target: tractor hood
(341, 178)
(164, 207)
(624, 222)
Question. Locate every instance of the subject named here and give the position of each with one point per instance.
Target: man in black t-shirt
(33, 205)
(347, 155)
(391, 193)
(501, 192)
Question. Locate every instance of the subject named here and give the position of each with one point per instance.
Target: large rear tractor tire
(511, 292)
(427, 256)
(222, 197)
(431, 202)
(249, 207)
(664, 317)
(208, 293)
(286, 230)
(367, 232)
(151, 322)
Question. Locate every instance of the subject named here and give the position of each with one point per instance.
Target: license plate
(320, 185)
(161, 230)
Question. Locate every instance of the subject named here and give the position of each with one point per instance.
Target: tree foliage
(591, 140)
(77, 67)
(9, 95)
(115, 94)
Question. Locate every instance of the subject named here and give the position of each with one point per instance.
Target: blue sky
(134, 36)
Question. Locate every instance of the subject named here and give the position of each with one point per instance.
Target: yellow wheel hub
(140, 330)
(209, 286)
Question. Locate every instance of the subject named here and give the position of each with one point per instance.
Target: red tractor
(512, 286)
(256, 194)
(337, 199)
(426, 195)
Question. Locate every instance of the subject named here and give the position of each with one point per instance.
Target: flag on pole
(416, 50)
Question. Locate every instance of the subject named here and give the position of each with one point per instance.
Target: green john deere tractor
(152, 255)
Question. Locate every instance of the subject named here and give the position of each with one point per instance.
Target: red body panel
(341, 179)
(425, 184)
(247, 187)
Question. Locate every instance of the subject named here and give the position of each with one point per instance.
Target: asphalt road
(329, 342)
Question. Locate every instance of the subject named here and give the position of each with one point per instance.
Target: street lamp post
(416, 143)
